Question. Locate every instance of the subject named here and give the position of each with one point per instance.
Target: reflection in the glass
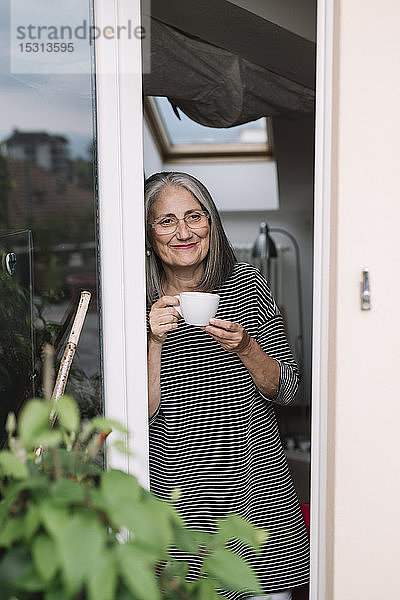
(48, 220)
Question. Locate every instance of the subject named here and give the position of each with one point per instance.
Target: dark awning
(218, 86)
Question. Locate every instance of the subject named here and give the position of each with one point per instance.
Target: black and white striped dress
(215, 435)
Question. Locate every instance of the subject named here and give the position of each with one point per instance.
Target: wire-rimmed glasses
(169, 224)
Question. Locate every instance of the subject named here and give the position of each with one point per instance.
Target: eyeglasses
(168, 225)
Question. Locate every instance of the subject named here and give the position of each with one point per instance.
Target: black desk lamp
(264, 248)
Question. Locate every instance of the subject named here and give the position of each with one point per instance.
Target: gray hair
(220, 259)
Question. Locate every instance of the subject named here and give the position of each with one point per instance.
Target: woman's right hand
(163, 317)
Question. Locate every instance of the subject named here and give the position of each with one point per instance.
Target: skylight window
(186, 139)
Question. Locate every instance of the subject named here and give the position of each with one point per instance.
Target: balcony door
(71, 188)
(71, 180)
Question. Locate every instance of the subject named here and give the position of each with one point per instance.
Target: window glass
(186, 131)
(48, 222)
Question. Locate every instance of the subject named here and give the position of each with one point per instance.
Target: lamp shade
(264, 246)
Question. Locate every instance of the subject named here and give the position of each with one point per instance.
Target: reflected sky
(50, 96)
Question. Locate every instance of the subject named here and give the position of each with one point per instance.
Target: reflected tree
(5, 188)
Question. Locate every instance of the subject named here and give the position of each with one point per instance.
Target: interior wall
(364, 397)
(152, 162)
(235, 186)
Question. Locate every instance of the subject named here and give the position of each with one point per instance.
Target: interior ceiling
(224, 65)
(297, 16)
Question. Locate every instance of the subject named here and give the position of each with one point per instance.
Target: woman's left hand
(232, 336)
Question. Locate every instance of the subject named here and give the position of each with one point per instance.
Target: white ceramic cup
(197, 308)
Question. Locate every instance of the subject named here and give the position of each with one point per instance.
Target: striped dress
(215, 435)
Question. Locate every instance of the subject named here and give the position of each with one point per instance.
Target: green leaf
(232, 571)
(149, 526)
(66, 491)
(12, 466)
(49, 439)
(119, 487)
(236, 527)
(31, 522)
(122, 447)
(13, 565)
(34, 482)
(80, 543)
(68, 413)
(102, 424)
(13, 489)
(203, 538)
(123, 593)
(176, 568)
(138, 575)
(45, 558)
(29, 582)
(205, 589)
(148, 554)
(54, 518)
(102, 580)
(33, 420)
(187, 540)
(56, 594)
(12, 531)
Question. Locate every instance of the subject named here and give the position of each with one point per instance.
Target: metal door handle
(365, 291)
(10, 263)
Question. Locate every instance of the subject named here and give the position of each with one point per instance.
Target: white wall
(364, 540)
(236, 185)
(152, 162)
(231, 184)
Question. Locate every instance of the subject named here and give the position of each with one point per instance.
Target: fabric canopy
(215, 87)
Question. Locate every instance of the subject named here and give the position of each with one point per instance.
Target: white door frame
(321, 304)
(121, 218)
(120, 160)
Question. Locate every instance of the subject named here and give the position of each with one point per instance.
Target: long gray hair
(220, 260)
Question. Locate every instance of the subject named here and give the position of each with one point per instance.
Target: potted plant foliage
(70, 530)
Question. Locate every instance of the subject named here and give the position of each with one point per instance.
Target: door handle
(365, 291)
(10, 263)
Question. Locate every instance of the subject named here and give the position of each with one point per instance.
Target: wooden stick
(70, 349)
(67, 359)
(48, 376)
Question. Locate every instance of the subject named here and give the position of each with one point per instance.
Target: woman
(213, 431)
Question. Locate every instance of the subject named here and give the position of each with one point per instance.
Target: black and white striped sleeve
(272, 338)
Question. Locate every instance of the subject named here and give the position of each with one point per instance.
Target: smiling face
(185, 247)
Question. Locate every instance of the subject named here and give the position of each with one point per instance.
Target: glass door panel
(48, 192)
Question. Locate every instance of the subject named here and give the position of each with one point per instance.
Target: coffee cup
(197, 308)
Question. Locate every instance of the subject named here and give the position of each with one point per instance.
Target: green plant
(69, 530)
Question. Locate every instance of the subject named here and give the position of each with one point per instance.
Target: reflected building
(44, 197)
(48, 221)
(42, 149)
